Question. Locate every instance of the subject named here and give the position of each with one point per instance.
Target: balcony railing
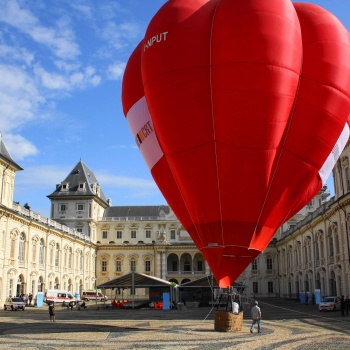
(173, 273)
(135, 218)
(32, 215)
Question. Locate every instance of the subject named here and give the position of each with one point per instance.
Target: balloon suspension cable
(213, 121)
(212, 306)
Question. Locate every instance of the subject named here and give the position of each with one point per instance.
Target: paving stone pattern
(285, 325)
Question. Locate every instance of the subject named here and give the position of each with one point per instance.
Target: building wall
(35, 256)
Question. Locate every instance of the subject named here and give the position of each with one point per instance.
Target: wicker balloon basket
(226, 321)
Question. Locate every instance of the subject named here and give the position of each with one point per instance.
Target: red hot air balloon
(141, 126)
(249, 101)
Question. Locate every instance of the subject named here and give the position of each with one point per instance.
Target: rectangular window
(172, 234)
(80, 207)
(62, 207)
(104, 234)
(119, 234)
(270, 287)
(147, 266)
(255, 288)
(118, 266)
(104, 266)
(80, 230)
(269, 264)
(132, 265)
(254, 265)
(148, 234)
(133, 234)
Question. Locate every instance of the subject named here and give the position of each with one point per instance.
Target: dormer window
(65, 186)
(82, 186)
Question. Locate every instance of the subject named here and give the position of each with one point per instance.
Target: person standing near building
(342, 305)
(256, 317)
(52, 312)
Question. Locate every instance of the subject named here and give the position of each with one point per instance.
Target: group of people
(70, 305)
(344, 305)
(27, 298)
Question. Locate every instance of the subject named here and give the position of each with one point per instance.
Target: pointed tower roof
(81, 181)
(4, 154)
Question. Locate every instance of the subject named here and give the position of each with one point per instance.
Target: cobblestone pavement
(284, 326)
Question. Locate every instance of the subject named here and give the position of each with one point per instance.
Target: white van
(59, 296)
(93, 295)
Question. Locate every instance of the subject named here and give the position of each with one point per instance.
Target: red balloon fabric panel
(248, 102)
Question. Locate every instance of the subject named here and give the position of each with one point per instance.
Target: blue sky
(61, 68)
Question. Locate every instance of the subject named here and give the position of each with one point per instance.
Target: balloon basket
(226, 321)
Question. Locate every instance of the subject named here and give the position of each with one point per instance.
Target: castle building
(87, 241)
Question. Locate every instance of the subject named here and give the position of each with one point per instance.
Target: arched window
(81, 265)
(41, 252)
(21, 247)
(70, 258)
(118, 265)
(57, 255)
(34, 251)
(148, 265)
(317, 251)
(12, 251)
(331, 246)
(132, 265)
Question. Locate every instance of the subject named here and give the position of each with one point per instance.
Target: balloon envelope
(249, 102)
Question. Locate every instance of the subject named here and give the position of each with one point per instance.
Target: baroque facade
(87, 241)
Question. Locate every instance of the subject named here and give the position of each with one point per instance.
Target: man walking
(256, 317)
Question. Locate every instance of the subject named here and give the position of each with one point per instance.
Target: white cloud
(18, 54)
(67, 82)
(60, 40)
(125, 182)
(19, 147)
(19, 97)
(43, 176)
(116, 70)
(52, 81)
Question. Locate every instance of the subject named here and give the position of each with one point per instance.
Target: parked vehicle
(93, 295)
(59, 296)
(14, 304)
(329, 304)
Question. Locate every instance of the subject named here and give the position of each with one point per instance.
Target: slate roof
(6, 155)
(140, 281)
(80, 173)
(132, 211)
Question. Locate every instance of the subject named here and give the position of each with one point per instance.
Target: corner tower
(79, 201)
